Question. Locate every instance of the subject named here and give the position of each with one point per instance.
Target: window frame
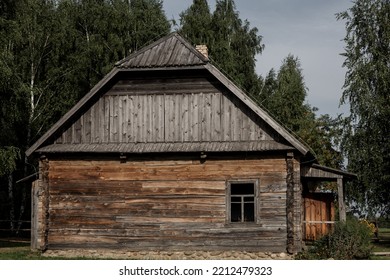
(229, 184)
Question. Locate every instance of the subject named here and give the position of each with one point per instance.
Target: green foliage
(232, 43)
(367, 89)
(52, 53)
(349, 240)
(196, 23)
(284, 93)
(289, 95)
(8, 158)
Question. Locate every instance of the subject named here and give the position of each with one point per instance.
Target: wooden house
(166, 153)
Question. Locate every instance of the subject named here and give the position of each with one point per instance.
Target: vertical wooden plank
(178, 136)
(244, 126)
(216, 117)
(112, 130)
(324, 217)
(208, 116)
(202, 115)
(120, 118)
(154, 116)
(290, 202)
(236, 123)
(78, 129)
(69, 135)
(106, 119)
(86, 132)
(194, 112)
(185, 123)
(251, 127)
(125, 118)
(129, 120)
(149, 119)
(340, 192)
(99, 128)
(34, 215)
(312, 218)
(93, 121)
(143, 116)
(159, 124)
(137, 119)
(225, 123)
(169, 118)
(318, 218)
(307, 218)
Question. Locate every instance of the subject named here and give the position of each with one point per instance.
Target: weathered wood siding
(319, 215)
(158, 110)
(174, 204)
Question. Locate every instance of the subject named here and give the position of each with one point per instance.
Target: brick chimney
(203, 50)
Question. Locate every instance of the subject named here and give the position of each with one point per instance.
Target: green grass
(383, 245)
(11, 249)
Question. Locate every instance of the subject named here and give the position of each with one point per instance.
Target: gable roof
(170, 52)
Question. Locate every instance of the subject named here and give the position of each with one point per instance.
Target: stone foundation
(167, 255)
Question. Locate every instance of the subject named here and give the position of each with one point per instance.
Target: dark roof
(140, 148)
(170, 52)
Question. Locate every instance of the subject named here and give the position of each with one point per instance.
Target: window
(242, 202)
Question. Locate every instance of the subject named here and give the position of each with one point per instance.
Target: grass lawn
(19, 249)
(16, 249)
(383, 245)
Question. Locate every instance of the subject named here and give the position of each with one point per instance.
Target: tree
(235, 46)
(51, 53)
(287, 101)
(196, 23)
(284, 95)
(232, 43)
(367, 89)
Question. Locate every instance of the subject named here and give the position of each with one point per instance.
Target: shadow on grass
(12, 243)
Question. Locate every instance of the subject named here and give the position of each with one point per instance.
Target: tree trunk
(11, 202)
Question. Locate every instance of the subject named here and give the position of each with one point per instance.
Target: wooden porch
(318, 207)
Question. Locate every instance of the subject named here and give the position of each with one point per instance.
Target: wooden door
(319, 215)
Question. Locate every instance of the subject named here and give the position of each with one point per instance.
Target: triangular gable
(170, 51)
(173, 51)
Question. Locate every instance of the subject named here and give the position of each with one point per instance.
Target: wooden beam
(290, 202)
(340, 191)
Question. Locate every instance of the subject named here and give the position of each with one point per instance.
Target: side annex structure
(166, 153)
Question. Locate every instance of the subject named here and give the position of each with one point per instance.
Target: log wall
(171, 204)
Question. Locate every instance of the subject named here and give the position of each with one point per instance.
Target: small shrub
(349, 240)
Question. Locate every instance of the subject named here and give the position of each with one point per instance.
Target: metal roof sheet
(167, 147)
(172, 51)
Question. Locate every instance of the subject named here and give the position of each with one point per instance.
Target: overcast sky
(307, 29)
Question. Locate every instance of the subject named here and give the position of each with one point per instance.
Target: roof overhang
(320, 172)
